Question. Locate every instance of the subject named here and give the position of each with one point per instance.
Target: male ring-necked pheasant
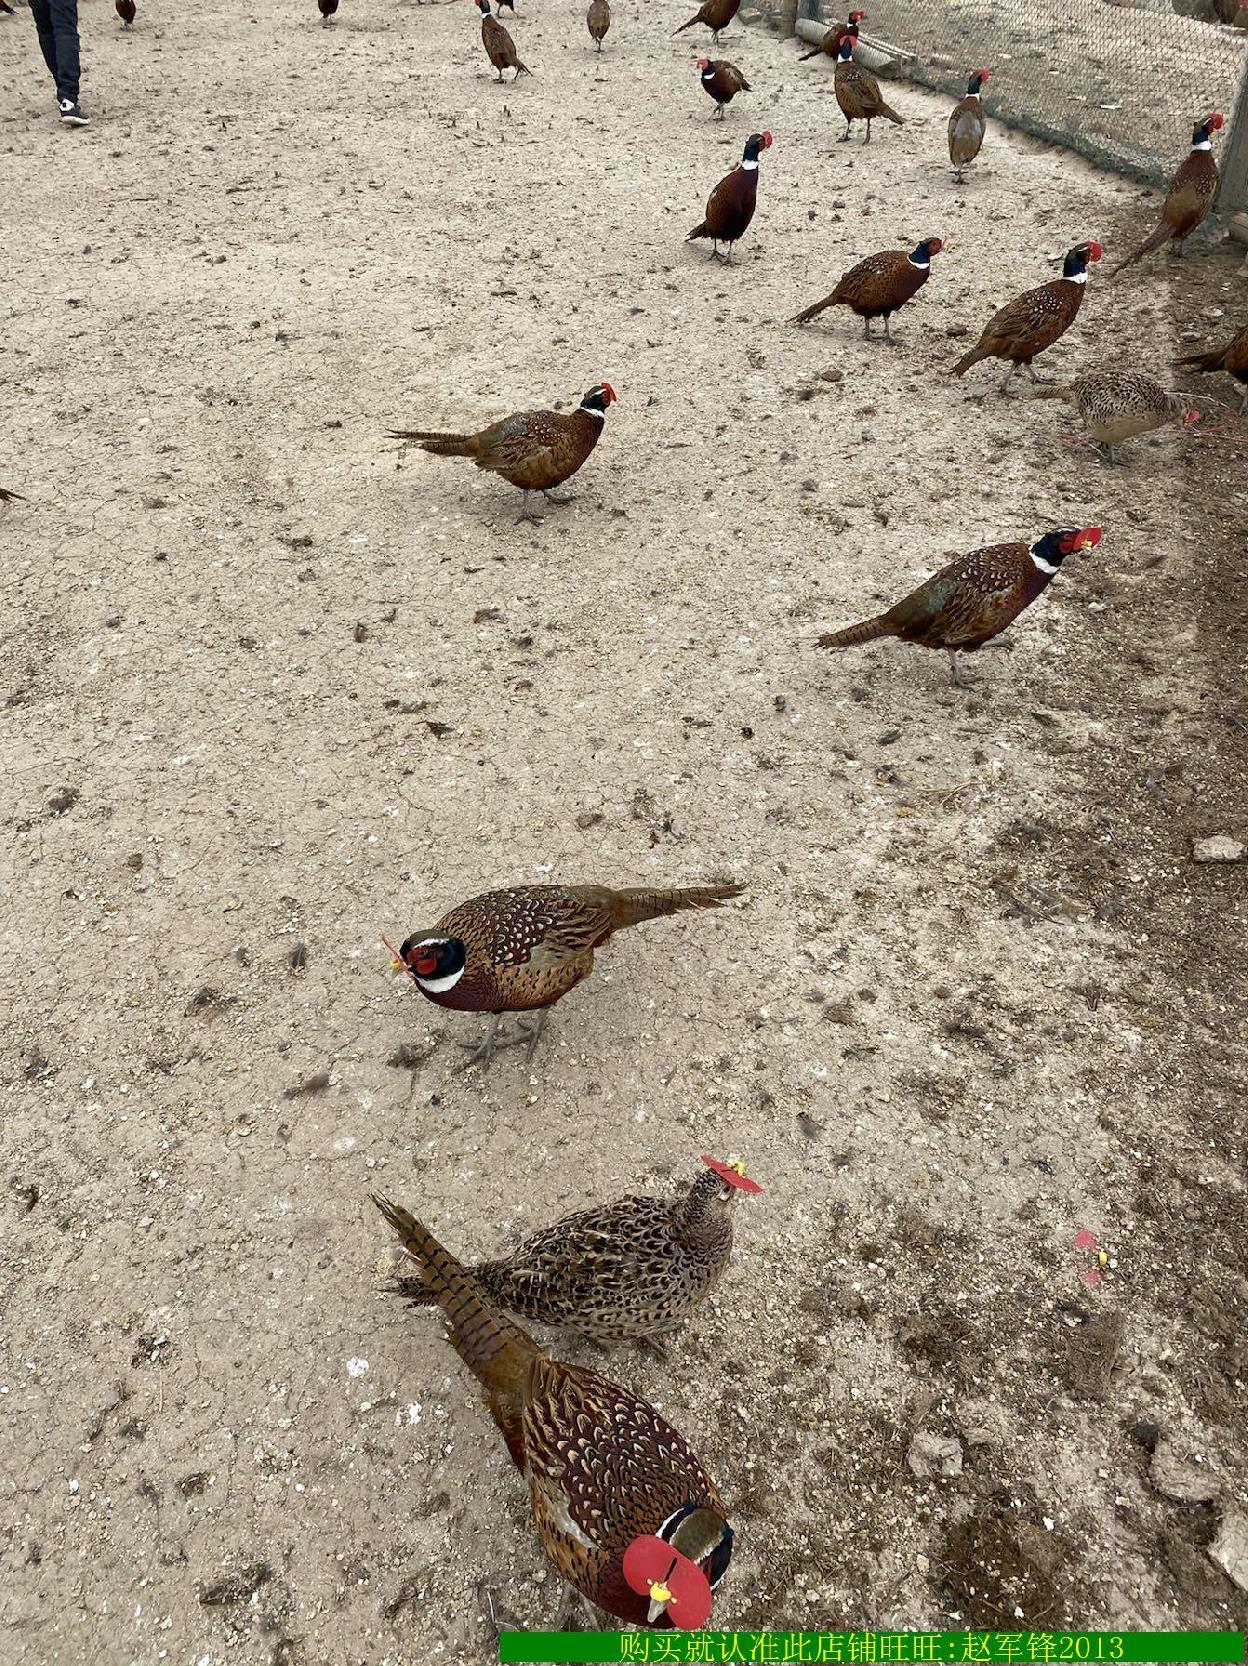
(858, 93)
(621, 1503)
(830, 44)
(877, 286)
(1233, 358)
(966, 124)
(523, 949)
(633, 1268)
(972, 599)
(1190, 197)
(1023, 328)
(535, 451)
(721, 81)
(730, 206)
(500, 49)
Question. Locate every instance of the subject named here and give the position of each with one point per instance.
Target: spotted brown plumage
(633, 1268)
(730, 206)
(535, 451)
(598, 21)
(833, 35)
(602, 1467)
(523, 949)
(721, 81)
(1233, 359)
(1118, 405)
(972, 599)
(500, 49)
(716, 14)
(967, 125)
(858, 93)
(1034, 320)
(1190, 197)
(877, 286)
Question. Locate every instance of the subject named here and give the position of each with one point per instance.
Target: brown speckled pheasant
(721, 81)
(1034, 320)
(522, 950)
(716, 14)
(535, 451)
(879, 285)
(1116, 405)
(858, 93)
(622, 1505)
(967, 125)
(1191, 195)
(833, 35)
(633, 1268)
(1233, 358)
(598, 20)
(974, 598)
(500, 49)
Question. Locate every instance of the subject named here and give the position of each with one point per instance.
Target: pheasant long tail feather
(813, 53)
(698, 231)
(631, 906)
(813, 312)
(968, 359)
(494, 1350)
(888, 111)
(1055, 390)
(1206, 361)
(1160, 236)
(685, 26)
(867, 630)
(441, 445)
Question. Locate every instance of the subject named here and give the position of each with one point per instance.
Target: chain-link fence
(1121, 81)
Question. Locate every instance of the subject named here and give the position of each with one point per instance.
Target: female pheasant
(858, 93)
(620, 1501)
(974, 598)
(598, 20)
(1024, 327)
(521, 950)
(535, 451)
(1191, 195)
(633, 1268)
(967, 125)
(877, 286)
(1117, 405)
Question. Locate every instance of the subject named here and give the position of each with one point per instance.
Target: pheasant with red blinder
(1191, 195)
(500, 49)
(833, 35)
(716, 14)
(721, 81)
(535, 451)
(623, 1507)
(730, 206)
(633, 1268)
(972, 599)
(877, 286)
(1024, 327)
(967, 125)
(858, 93)
(522, 950)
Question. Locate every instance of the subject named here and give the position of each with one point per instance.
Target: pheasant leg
(955, 677)
(867, 140)
(482, 1052)
(534, 1033)
(527, 514)
(1108, 454)
(1031, 371)
(888, 336)
(844, 138)
(1008, 376)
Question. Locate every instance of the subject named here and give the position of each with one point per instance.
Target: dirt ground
(270, 692)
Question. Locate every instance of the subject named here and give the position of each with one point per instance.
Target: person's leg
(41, 10)
(65, 27)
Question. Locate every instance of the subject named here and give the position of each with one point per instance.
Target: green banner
(787, 1648)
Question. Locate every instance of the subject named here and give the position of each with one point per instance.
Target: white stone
(931, 1455)
(1230, 1549)
(1220, 848)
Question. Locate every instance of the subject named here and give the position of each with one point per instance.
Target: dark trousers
(57, 23)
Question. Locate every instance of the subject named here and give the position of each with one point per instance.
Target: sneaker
(72, 114)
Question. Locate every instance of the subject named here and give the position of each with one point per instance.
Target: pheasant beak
(396, 961)
(660, 1596)
(1089, 538)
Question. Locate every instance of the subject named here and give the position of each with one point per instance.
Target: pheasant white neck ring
(1044, 566)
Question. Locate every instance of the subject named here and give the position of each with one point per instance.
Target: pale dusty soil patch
(257, 695)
